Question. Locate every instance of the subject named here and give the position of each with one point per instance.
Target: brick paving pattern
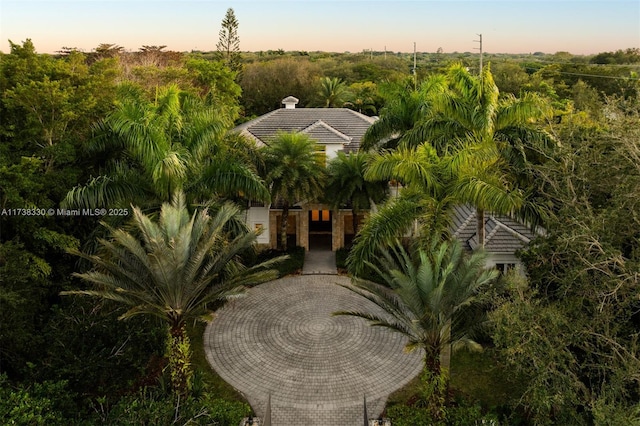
(282, 340)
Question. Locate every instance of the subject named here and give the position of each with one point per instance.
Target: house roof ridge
(500, 224)
(464, 224)
(361, 115)
(244, 128)
(319, 123)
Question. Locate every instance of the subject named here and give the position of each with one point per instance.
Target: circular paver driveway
(282, 340)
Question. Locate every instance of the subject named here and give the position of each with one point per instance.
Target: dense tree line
(110, 128)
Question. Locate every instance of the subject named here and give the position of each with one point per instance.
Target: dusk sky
(513, 26)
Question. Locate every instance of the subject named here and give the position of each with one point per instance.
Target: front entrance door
(320, 229)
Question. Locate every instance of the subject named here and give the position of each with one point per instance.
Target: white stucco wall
(331, 150)
(504, 258)
(258, 217)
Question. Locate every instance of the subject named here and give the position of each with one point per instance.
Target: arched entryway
(320, 229)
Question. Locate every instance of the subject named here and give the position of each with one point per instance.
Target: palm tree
(155, 149)
(404, 108)
(472, 112)
(347, 186)
(432, 185)
(294, 173)
(363, 97)
(429, 289)
(333, 92)
(178, 269)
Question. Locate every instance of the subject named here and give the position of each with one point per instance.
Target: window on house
(505, 267)
(320, 215)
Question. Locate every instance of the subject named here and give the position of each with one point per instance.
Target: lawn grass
(480, 377)
(212, 383)
(476, 377)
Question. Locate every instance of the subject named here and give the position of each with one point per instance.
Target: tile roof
(327, 125)
(502, 234)
(321, 131)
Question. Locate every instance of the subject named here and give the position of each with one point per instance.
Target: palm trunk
(284, 225)
(354, 218)
(480, 227)
(434, 384)
(179, 354)
(432, 364)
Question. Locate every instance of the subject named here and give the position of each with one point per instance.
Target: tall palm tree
(294, 173)
(347, 186)
(432, 185)
(472, 112)
(178, 269)
(429, 289)
(152, 149)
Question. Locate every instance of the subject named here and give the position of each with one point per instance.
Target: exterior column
(303, 229)
(337, 231)
(273, 230)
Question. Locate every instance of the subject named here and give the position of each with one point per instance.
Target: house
(313, 225)
(503, 236)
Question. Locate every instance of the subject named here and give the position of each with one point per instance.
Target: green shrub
(292, 265)
(341, 258)
(40, 404)
(95, 352)
(154, 407)
(366, 274)
(227, 412)
(403, 415)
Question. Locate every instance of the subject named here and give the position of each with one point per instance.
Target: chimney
(290, 102)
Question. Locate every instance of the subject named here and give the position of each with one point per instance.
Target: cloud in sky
(515, 26)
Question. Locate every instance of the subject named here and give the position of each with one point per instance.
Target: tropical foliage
(179, 269)
(295, 173)
(429, 289)
(432, 185)
(457, 142)
(155, 149)
(347, 187)
(333, 93)
(564, 338)
(402, 111)
(578, 315)
(472, 112)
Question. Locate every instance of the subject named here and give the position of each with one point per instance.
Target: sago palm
(294, 173)
(429, 289)
(178, 269)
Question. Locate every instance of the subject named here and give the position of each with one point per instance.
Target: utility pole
(415, 74)
(480, 48)
(480, 221)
